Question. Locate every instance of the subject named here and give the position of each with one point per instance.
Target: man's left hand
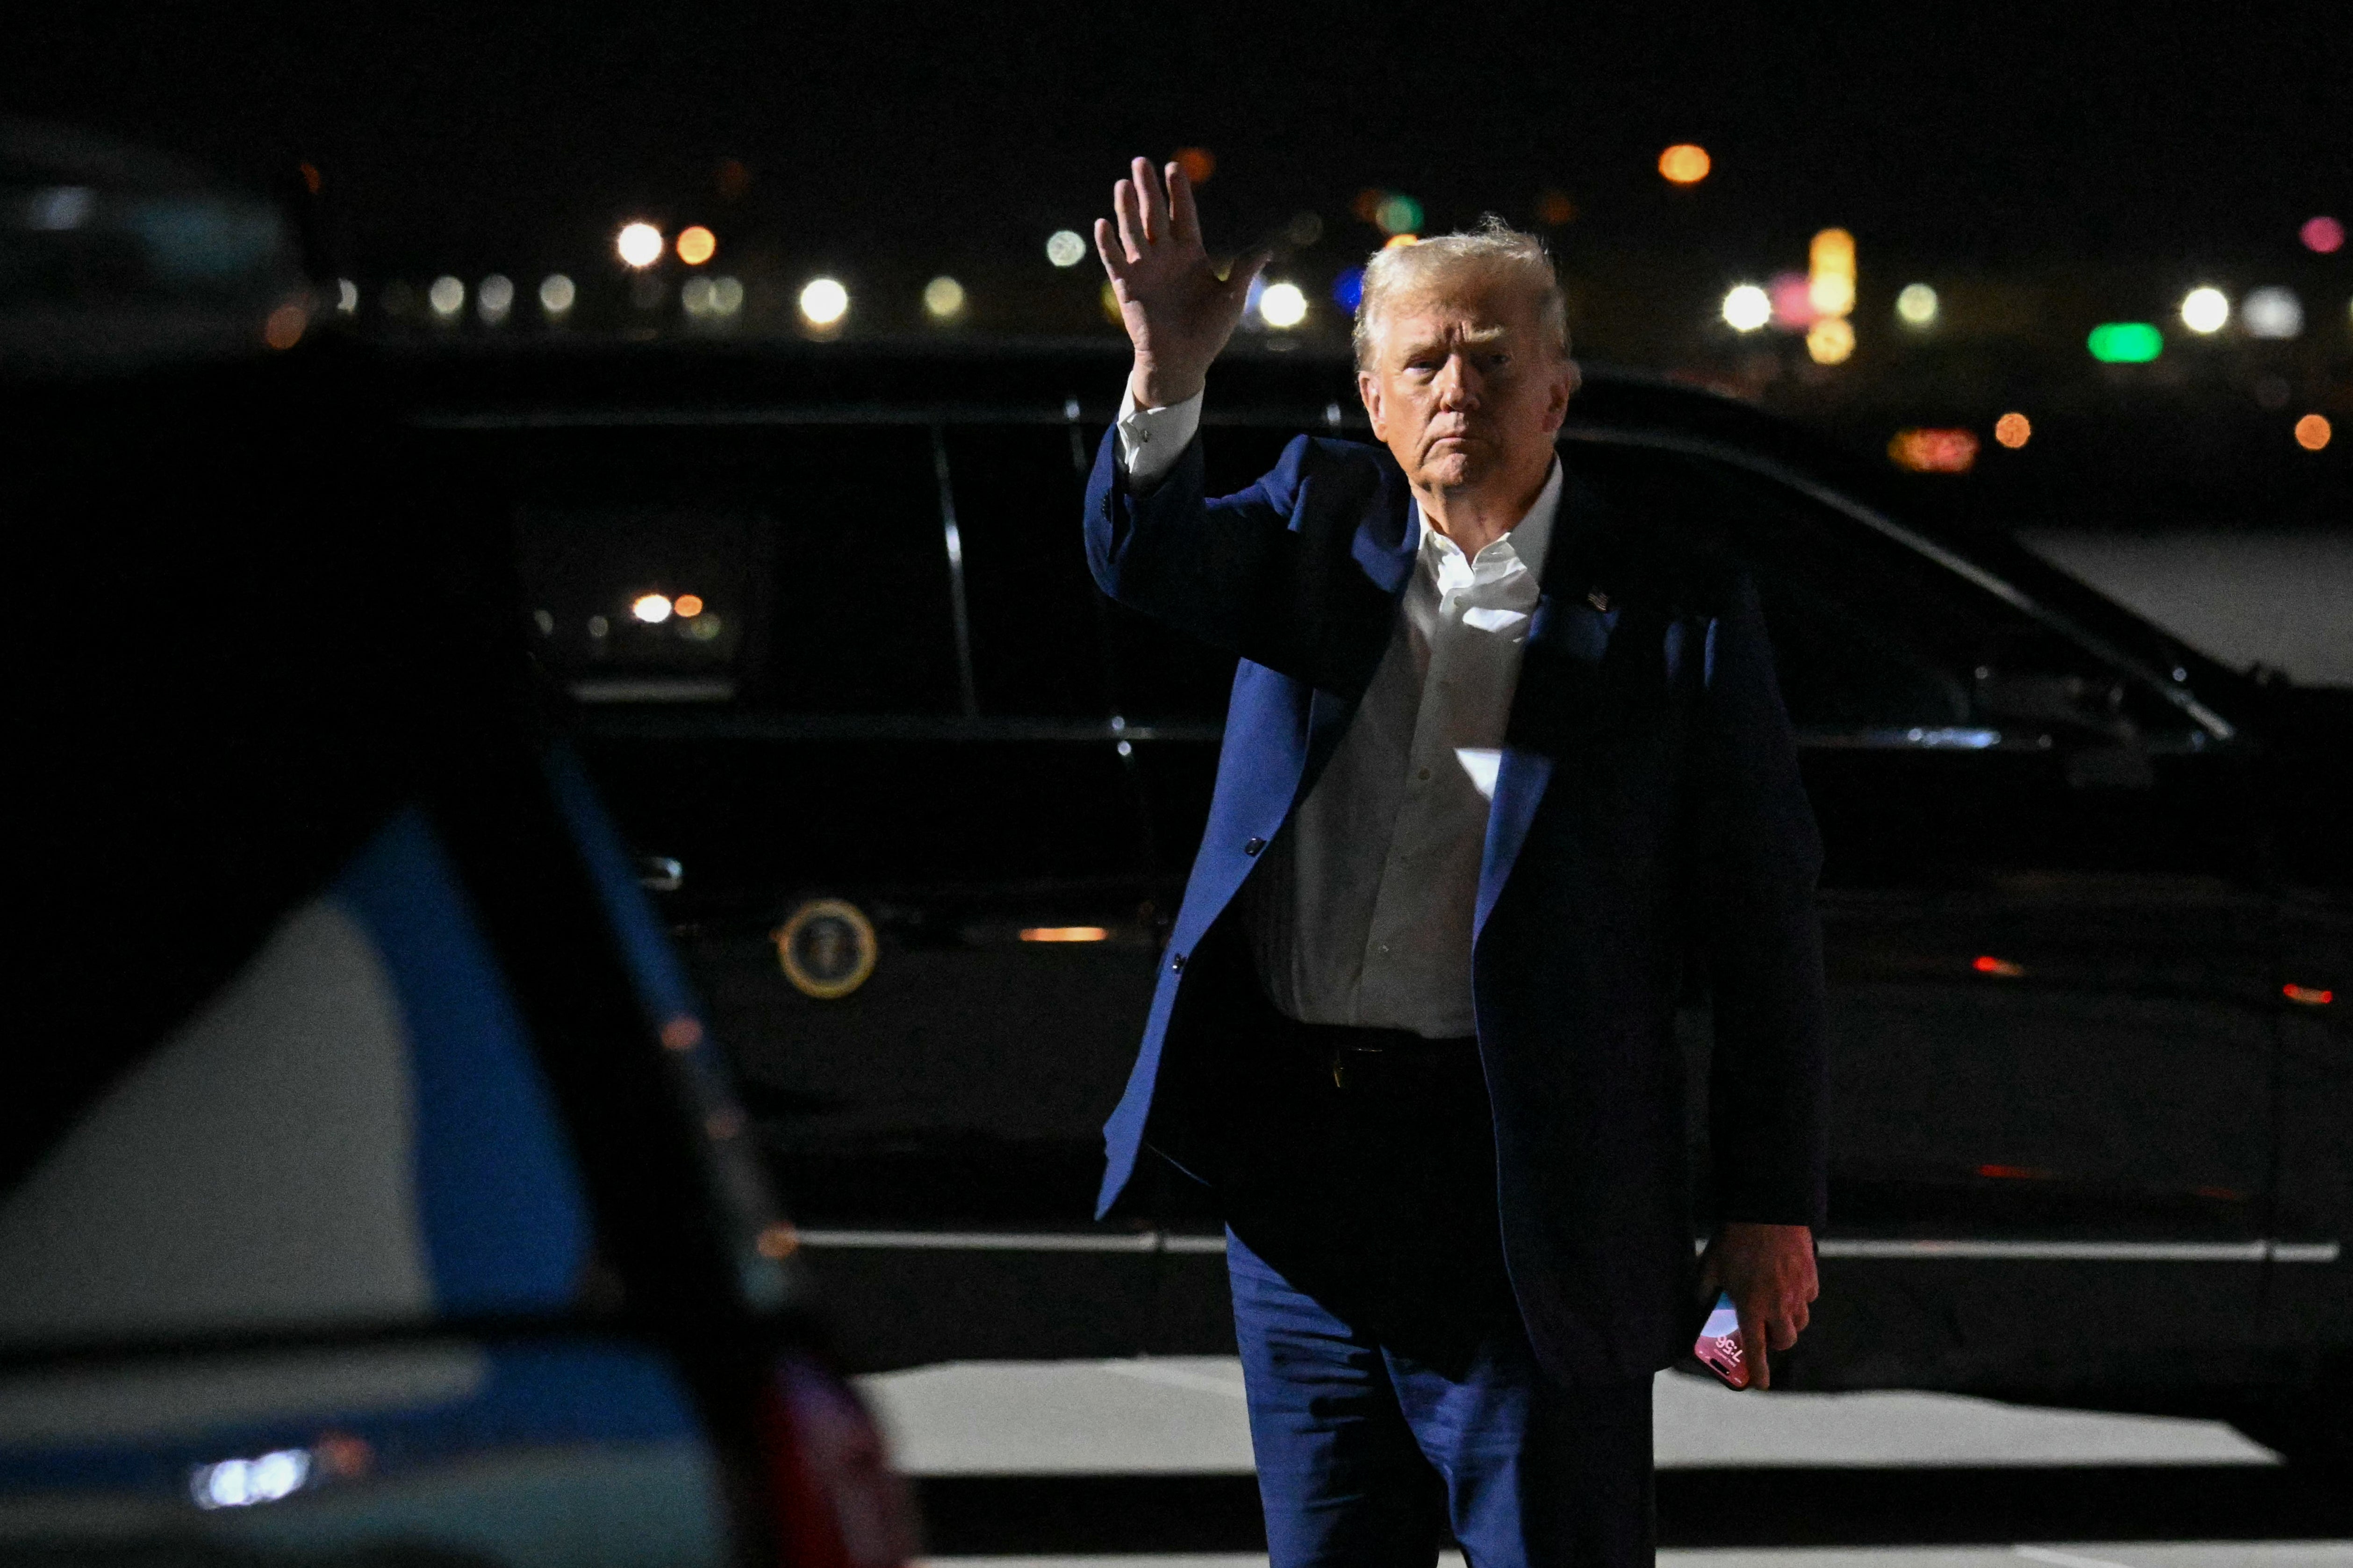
(1768, 1272)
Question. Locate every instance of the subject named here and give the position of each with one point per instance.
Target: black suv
(920, 802)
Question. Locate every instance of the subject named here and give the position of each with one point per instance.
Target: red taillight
(2309, 995)
(1986, 963)
(837, 1502)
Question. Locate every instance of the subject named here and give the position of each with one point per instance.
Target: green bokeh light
(2124, 343)
(1399, 214)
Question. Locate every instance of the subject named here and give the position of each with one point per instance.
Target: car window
(1871, 634)
(802, 569)
(1038, 621)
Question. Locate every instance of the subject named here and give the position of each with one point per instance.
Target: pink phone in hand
(1718, 1345)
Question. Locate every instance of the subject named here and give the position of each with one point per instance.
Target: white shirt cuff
(1152, 440)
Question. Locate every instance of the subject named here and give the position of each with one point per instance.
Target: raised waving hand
(1179, 312)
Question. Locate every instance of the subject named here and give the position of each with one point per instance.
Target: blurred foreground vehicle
(369, 1188)
(922, 803)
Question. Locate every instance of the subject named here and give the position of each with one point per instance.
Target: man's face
(1464, 390)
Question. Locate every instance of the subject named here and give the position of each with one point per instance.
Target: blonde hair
(1493, 250)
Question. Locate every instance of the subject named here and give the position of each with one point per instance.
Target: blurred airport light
(1396, 213)
(1303, 230)
(59, 208)
(651, 608)
(641, 243)
(1109, 299)
(1282, 306)
(2124, 343)
(1554, 208)
(2272, 313)
(687, 605)
(694, 297)
(824, 302)
(2013, 430)
(696, 245)
(1829, 273)
(2322, 235)
(1399, 241)
(1748, 307)
(1933, 451)
(1916, 305)
(1065, 248)
(944, 298)
(1348, 288)
(2205, 310)
(285, 325)
(556, 294)
(1830, 341)
(446, 296)
(1198, 163)
(1685, 164)
(726, 296)
(494, 299)
(347, 297)
(2312, 432)
(1793, 301)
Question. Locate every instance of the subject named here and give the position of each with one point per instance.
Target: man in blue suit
(1501, 766)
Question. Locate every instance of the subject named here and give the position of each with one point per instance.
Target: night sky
(516, 136)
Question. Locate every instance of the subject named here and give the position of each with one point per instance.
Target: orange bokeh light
(1685, 164)
(1934, 451)
(2312, 432)
(1553, 207)
(2013, 430)
(688, 606)
(1198, 163)
(1397, 241)
(284, 328)
(697, 245)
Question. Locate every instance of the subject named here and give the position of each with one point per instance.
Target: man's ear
(1368, 390)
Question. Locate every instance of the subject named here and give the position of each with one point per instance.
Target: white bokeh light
(447, 297)
(641, 243)
(1282, 305)
(556, 294)
(944, 298)
(2272, 313)
(1748, 307)
(494, 297)
(1916, 305)
(651, 608)
(2205, 309)
(1065, 248)
(824, 302)
(726, 296)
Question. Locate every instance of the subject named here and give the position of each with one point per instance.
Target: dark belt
(1359, 1057)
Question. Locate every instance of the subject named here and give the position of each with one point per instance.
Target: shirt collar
(1529, 538)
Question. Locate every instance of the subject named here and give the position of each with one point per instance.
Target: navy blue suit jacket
(1648, 816)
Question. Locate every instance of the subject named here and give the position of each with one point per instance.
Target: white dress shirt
(1361, 913)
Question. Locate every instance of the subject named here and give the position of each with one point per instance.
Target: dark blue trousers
(1391, 1383)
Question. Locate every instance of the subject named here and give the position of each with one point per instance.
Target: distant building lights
(2272, 313)
(1348, 288)
(1282, 306)
(1916, 305)
(653, 609)
(1065, 248)
(1748, 307)
(2205, 310)
(2124, 343)
(824, 302)
(2013, 430)
(641, 243)
(696, 245)
(1399, 241)
(1830, 341)
(1685, 164)
(446, 296)
(1948, 451)
(556, 294)
(2312, 432)
(944, 298)
(494, 299)
(2322, 235)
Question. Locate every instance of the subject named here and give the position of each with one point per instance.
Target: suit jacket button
(1176, 961)
(1254, 845)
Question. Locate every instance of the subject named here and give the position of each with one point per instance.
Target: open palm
(1179, 312)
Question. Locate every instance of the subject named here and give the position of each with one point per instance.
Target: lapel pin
(1598, 600)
